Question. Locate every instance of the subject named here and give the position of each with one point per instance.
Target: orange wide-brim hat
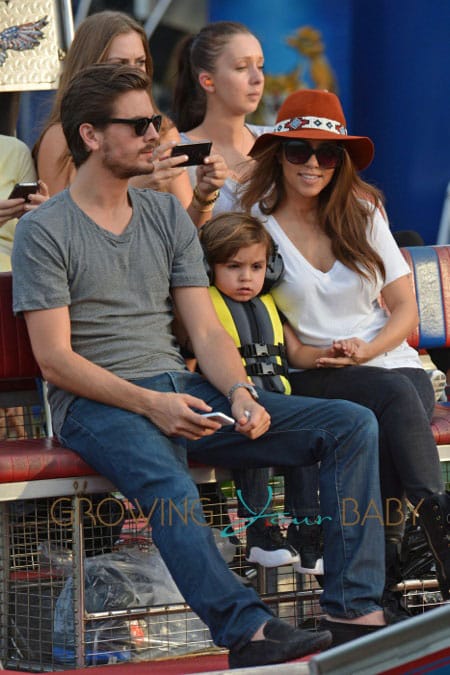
(316, 115)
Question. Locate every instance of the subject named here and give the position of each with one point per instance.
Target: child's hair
(225, 234)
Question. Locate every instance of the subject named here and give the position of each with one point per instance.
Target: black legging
(403, 402)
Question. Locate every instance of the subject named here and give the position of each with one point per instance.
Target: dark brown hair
(225, 234)
(345, 207)
(90, 97)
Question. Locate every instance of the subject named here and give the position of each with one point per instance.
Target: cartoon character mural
(308, 42)
(313, 70)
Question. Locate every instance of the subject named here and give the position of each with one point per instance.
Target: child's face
(241, 278)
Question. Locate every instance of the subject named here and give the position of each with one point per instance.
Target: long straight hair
(345, 207)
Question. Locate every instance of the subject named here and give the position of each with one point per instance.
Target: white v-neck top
(326, 306)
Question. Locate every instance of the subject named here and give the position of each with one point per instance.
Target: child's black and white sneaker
(267, 546)
(306, 539)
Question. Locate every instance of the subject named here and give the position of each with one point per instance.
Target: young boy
(237, 250)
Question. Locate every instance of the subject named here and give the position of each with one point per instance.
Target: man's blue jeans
(151, 468)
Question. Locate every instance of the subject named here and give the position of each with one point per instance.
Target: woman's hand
(211, 175)
(37, 198)
(11, 208)
(15, 208)
(349, 352)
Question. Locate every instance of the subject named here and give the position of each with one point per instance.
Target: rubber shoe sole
(317, 569)
(277, 558)
(282, 643)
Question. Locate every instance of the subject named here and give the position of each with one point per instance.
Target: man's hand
(252, 419)
(174, 415)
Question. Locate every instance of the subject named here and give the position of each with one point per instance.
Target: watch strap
(242, 385)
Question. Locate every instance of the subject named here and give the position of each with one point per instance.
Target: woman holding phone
(16, 166)
(115, 37)
(220, 81)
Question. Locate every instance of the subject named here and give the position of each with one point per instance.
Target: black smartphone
(23, 190)
(195, 151)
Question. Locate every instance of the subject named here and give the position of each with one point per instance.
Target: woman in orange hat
(346, 286)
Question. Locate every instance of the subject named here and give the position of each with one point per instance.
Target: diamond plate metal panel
(34, 37)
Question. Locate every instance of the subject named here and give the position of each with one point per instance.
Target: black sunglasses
(328, 155)
(140, 124)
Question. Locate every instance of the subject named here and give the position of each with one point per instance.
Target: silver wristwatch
(245, 385)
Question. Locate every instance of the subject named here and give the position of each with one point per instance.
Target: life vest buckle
(255, 350)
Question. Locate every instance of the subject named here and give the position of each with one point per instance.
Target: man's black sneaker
(434, 515)
(282, 643)
(267, 546)
(306, 539)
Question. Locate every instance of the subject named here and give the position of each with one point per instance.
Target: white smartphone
(220, 417)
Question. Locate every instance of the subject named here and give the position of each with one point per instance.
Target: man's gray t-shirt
(117, 287)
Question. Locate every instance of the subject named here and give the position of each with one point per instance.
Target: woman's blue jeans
(151, 469)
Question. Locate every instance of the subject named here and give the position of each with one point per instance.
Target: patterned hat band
(317, 123)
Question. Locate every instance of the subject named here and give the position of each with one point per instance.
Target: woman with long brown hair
(347, 286)
(115, 37)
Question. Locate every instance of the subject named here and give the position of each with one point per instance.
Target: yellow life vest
(257, 332)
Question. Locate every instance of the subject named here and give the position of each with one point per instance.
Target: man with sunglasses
(97, 271)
